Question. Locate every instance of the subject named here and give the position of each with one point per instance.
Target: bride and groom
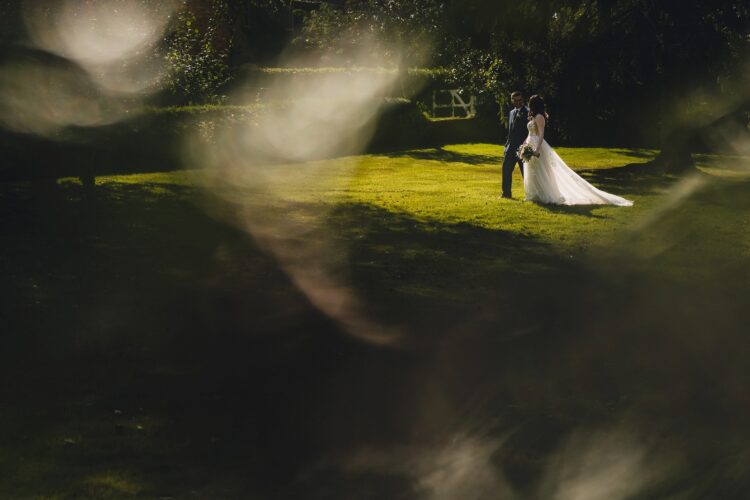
(546, 177)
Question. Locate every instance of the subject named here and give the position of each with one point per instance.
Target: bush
(401, 125)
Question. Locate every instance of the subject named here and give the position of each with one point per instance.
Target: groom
(517, 132)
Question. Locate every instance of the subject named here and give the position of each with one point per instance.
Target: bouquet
(525, 152)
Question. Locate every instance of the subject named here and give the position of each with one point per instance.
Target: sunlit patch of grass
(180, 177)
(447, 118)
(595, 158)
(453, 184)
(461, 184)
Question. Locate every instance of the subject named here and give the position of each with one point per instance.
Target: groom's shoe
(506, 196)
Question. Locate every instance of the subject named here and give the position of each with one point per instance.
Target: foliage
(412, 83)
(480, 73)
(198, 49)
(403, 33)
(601, 63)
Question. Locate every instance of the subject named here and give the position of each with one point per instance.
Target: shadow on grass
(431, 275)
(635, 153)
(156, 351)
(632, 178)
(443, 155)
(584, 210)
(125, 261)
(137, 321)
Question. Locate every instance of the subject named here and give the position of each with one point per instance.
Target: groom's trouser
(509, 164)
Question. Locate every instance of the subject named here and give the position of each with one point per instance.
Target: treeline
(612, 71)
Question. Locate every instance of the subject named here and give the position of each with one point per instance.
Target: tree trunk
(675, 157)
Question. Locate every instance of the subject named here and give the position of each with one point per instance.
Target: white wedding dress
(547, 179)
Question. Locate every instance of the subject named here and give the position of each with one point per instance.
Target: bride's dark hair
(536, 107)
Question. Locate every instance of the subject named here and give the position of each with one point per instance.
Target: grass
(161, 344)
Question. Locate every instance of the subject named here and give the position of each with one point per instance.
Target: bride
(547, 179)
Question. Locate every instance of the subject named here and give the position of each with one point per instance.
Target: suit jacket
(517, 130)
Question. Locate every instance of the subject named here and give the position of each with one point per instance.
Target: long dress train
(547, 179)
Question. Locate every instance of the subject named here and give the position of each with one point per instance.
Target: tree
(404, 33)
(605, 64)
(197, 49)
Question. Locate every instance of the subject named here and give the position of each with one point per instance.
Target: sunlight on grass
(180, 177)
(594, 158)
(460, 184)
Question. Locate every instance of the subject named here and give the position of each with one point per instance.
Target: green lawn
(163, 340)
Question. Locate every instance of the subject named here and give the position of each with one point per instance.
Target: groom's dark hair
(515, 93)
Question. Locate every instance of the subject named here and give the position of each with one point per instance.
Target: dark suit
(517, 132)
